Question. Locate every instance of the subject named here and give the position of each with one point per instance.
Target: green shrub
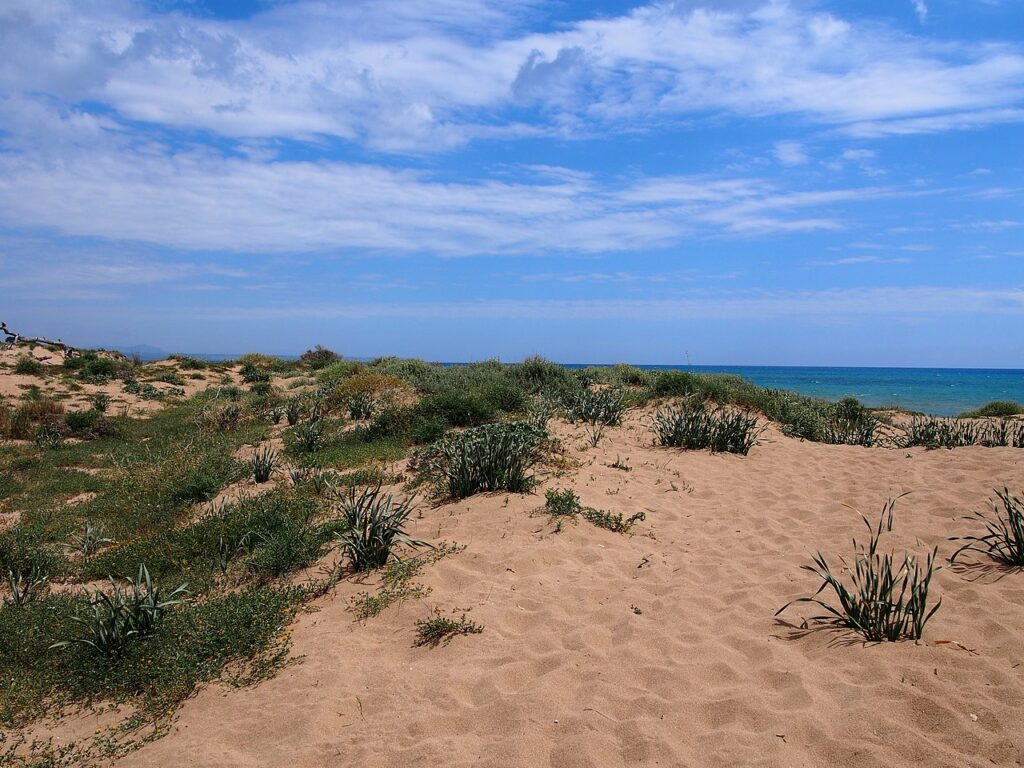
(92, 368)
(492, 457)
(251, 373)
(24, 586)
(28, 366)
(997, 409)
(318, 358)
(694, 426)
(885, 602)
(850, 423)
(170, 377)
(1004, 537)
(122, 613)
(100, 402)
(538, 375)
(187, 363)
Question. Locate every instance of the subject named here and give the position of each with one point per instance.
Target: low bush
(28, 366)
(262, 463)
(886, 601)
(850, 423)
(995, 409)
(602, 406)
(318, 358)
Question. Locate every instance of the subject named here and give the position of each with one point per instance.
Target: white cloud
(393, 74)
(790, 153)
(921, 9)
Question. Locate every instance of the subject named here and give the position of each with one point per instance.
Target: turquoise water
(939, 391)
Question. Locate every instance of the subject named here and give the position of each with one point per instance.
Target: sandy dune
(566, 673)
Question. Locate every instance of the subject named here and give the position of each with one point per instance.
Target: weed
(319, 357)
(439, 630)
(100, 402)
(1004, 537)
(620, 464)
(886, 602)
(613, 522)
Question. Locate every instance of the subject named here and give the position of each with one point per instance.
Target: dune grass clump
(439, 629)
(850, 423)
(594, 406)
(262, 464)
(373, 525)
(492, 457)
(932, 432)
(693, 425)
(123, 613)
(887, 600)
(1004, 537)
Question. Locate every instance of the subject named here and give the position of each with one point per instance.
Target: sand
(658, 648)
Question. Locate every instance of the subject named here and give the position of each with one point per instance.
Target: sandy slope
(567, 674)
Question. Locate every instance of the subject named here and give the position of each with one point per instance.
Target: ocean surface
(938, 391)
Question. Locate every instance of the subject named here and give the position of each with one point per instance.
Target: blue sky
(731, 182)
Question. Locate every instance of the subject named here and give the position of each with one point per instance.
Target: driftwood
(10, 337)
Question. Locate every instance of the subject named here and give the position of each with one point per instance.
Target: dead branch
(16, 338)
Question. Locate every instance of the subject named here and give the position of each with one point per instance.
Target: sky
(762, 182)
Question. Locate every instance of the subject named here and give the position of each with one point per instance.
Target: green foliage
(117, 616)
(50, 434)
(932, 432)
(318, 358)
(694, 426)
(537, 375)
(100, 402)
(170, 377)
(439, 630)
(850, 423)
(252, 373)
(94, 369)
(372, 525)
(492, 457)
(564, 504)
(1003, 540)
(28, 366)
(25, 586)
(89, 540)
(262, 463)
(196, 643)
(594, 406)
(996, 409)
(187, 363)
(886, 601)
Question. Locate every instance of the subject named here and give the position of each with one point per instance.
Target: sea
(937, 391)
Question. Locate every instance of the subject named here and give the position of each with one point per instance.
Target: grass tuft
(886, 601)
(694, 426)
(439, 629)
(1004, 537)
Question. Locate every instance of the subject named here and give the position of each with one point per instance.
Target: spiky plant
(373, 525)
(308, 435)
(493, 457)
(361, 405)
(262, 463)
(89, 541)
(115, 617)
(605, 406)
(100, 402)
(293, 410)
(694, 426)
(25, 585)
(1004, 537)
(886, 601)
